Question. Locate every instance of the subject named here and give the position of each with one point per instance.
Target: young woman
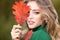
(42, 22)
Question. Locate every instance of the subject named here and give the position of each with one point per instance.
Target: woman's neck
(39, 27)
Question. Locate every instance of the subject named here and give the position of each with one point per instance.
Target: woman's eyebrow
(35, 10)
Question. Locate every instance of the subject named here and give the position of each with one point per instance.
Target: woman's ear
(44, 22)
(46, 19)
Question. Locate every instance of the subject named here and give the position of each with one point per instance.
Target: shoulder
(44, 35)
(41, 35)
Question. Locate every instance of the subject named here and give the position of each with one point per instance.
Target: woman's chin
(31, 26)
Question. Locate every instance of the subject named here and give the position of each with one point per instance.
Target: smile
(30, 22)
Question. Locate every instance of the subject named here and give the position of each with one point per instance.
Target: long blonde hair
(51, 17)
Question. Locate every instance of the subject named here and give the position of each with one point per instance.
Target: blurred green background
(7, 20)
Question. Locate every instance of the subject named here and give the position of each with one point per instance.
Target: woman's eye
(28, 11)
(36, 12)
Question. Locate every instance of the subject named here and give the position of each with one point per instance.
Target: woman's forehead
(33, 5)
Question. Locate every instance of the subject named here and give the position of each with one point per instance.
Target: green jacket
(40, 33)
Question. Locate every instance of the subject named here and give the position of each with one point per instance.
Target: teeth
(31, 23)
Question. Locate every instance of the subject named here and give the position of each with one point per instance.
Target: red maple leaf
(21, 12)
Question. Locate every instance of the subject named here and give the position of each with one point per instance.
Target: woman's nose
(30, 15)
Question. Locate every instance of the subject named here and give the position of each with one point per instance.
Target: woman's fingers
(16, 27)
(16, 32)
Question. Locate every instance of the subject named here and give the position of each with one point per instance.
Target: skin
(34, 20)
(35, 15)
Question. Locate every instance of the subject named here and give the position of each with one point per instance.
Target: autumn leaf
(20, 12)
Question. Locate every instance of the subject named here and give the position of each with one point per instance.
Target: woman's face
(35, 15)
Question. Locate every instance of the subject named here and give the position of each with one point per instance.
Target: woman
(42, 22)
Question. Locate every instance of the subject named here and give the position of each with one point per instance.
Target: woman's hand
(16, 32)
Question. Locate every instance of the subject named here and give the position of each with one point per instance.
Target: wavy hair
(50, 17)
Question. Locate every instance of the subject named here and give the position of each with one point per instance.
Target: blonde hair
(51, 17)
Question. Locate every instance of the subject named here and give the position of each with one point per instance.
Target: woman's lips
(31, 22)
